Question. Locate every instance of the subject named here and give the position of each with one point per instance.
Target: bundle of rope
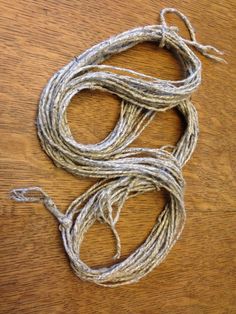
(125, 171)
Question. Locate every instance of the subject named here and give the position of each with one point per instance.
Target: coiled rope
(125, 172)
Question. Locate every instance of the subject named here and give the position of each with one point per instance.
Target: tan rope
(126, 171)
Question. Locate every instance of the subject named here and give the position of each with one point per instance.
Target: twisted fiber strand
(125, 171)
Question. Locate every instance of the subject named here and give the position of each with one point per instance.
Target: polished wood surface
(199, 276)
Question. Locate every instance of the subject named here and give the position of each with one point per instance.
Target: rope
(125, 171)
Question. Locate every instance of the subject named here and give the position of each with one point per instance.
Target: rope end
(205, 52)
(37, 195)
(29, 195)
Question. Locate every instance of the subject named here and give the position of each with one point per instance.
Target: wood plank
(37, 38)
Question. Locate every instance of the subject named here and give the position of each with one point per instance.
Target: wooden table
(198, 276)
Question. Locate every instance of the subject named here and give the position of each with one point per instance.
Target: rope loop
(182, 17)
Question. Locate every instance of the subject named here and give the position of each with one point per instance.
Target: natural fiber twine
(125, 172)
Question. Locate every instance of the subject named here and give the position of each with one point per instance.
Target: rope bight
(125, 171)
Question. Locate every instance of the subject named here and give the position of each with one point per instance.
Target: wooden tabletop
(199, 276)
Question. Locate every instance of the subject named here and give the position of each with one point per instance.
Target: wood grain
(198, 276)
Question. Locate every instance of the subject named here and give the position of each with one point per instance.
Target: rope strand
(125, 172)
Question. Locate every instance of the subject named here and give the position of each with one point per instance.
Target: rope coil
(125, 171)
